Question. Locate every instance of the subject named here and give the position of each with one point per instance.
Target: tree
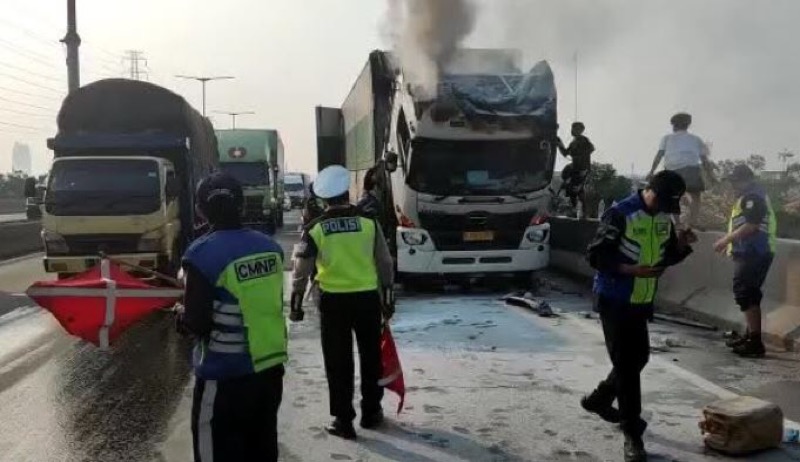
(756, 162)
(605, 184)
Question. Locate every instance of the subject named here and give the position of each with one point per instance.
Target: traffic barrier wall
(20, 238)
(702, 285)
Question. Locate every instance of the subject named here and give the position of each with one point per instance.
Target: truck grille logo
(237, 153)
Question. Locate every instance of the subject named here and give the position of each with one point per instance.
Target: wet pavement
(486, 382)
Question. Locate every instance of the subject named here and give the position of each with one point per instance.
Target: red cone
(392, 371)
(100, 304)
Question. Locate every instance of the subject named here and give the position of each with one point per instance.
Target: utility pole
(234, 115)
(785, 155)
(73, 42)
(204, 81)
(576, 86)
(135, 57)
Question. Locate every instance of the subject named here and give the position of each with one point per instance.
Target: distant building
(21, 159)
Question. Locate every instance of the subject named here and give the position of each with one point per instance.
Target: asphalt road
(7, 218)
(486, 382)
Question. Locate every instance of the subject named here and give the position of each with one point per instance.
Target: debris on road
(540, 307)
(684, 322)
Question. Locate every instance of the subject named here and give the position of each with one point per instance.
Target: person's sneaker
(372, 421)
(606, 412)
(342, 429)
(751, 348)
(634, 449)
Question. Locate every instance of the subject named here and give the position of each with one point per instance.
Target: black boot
(634, 449)
(342, 429)
(752, 347)
(604, 410)
(371, 421)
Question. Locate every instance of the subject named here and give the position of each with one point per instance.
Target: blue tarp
(532, 95)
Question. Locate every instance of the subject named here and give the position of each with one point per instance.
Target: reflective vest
(643, 243)
(248, 332)
(345, 254)
(761, 243)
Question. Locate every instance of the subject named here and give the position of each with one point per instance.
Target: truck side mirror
(30, 187)
(390, 159)
(172, 188)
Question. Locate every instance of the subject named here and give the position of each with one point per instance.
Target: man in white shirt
(686, 154)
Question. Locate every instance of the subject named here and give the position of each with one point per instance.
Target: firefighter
(354, 271)
(635, 242)
(234, 307)
(750, 242)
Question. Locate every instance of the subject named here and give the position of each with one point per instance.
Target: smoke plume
(426, 34)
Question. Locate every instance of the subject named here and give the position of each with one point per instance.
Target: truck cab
(124, 206)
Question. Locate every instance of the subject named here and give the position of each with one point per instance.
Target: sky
(734, 64)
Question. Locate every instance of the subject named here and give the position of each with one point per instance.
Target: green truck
(255, 158)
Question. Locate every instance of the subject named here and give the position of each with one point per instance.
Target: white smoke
(426, 35)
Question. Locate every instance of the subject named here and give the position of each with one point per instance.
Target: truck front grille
(93, 244)
(447, 231)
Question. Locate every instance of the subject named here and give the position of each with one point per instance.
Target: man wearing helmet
(686, 154)
(353, 267)
(234, 307)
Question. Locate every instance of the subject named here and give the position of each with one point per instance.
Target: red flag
(392, 371)
(100, 304)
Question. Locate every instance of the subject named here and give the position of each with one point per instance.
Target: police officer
(751, 243)
(636, 241)
(234, 307)
(354, 268)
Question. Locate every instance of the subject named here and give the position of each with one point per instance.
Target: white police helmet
(332, 182)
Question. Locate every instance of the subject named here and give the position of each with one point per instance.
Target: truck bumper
(79, 264)
(425, 259)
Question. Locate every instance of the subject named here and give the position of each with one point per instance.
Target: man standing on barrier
(635, 242)
(354, 269)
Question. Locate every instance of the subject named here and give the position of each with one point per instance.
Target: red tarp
(392, 371)
(81, 303)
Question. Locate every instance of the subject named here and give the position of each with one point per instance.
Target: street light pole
(204, 81)
(73, 42)
(234, 115)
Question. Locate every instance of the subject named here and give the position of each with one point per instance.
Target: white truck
(463, 175)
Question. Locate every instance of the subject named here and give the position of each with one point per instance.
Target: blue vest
(761, 243)
(227, 352)
(643, 242)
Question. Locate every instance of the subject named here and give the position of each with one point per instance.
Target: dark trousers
(628, 344)
(341, 315)
(236, 420)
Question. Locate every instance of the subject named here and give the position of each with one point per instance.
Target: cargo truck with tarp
(255, 158)
(463, 171)
(127, 158)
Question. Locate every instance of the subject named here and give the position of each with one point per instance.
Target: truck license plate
(478, 236)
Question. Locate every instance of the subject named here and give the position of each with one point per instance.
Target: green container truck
(256, 159)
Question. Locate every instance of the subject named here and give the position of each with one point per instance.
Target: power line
(25, 113)
(34, 106)
(30, 33)
(20, 126)
(28, 82)
(31, 55)
(32, 95)
(37, 74)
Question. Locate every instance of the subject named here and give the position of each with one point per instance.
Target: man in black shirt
(575, 174)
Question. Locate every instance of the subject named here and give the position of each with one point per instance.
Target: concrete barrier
(702, 285)
(20, 238)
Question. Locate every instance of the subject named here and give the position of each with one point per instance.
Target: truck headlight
(414, 238)
(149, 245)
(536, 235)
(54, 243)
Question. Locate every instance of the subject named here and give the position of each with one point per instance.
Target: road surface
(486, 382)
(11, 217)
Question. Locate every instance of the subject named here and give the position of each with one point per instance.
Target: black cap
(219, 195)
(681, 119)
(669, 188)
(741, 173)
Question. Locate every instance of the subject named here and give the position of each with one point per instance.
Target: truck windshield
(103, 187)
(470, 167)
(248, 174)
